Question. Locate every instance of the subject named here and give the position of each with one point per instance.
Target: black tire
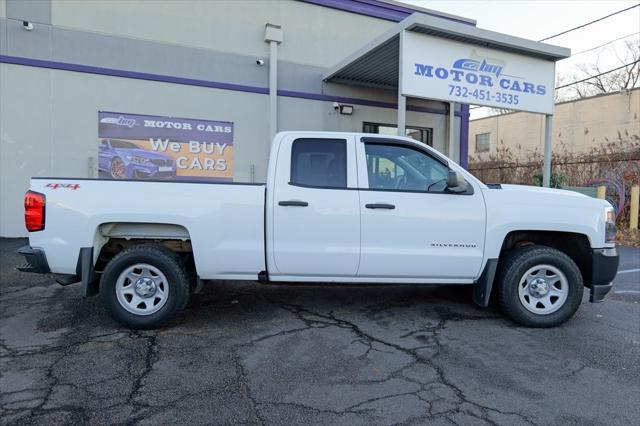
(513, 270)
(169, 263)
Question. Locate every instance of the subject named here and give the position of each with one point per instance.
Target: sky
(538, 19)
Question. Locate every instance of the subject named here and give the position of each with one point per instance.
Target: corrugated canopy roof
(376, 64)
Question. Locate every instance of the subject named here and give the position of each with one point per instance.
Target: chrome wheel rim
(543, 289)
(117, 169)
(142, 289)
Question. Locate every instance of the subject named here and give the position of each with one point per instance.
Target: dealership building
(238, 71)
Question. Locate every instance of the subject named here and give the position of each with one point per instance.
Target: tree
(628, 77)
(601, 81)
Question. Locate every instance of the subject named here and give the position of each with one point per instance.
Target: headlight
(610, 225)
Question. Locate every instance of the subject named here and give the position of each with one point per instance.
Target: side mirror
(456, 182)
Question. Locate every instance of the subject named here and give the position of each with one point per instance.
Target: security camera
(260, 62)
(336, 106)
(27, 25)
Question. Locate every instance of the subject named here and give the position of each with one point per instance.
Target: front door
(316, 212)
(411, 226)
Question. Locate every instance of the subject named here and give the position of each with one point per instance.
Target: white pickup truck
(337, 207)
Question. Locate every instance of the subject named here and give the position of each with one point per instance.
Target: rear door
(316, 209)
(412, 228)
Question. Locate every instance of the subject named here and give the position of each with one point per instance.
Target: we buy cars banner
(135, 146)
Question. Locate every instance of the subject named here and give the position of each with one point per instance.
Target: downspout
(273, 35)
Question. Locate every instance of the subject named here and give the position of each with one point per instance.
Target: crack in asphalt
(49, 377)
(311, 320)
(246, 388)
(150, 358)
(329, 319)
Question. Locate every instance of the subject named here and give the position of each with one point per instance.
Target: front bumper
(604, 267)
(35, 260)
(149, 171)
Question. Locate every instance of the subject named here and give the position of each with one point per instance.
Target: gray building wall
(596, 124)
(48, 117)
(29, 10)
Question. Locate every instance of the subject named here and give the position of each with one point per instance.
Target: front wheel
(145, 286)
(540, 286)
(117, 169)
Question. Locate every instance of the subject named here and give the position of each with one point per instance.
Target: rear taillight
(34, 211)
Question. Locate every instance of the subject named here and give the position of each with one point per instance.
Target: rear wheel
(540, 286)
(145, 286)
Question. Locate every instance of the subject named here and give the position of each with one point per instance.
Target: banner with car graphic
(134, 146)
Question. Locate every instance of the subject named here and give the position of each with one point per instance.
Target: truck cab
(366, 208)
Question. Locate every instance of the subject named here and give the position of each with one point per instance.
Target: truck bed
(224, 222)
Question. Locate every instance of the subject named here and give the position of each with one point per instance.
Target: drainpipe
(273, 35)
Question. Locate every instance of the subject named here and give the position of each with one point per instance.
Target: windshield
(123, 144)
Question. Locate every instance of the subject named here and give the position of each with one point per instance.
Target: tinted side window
(319, 162)
(404, 168)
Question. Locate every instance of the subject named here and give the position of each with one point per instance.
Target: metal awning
(377, 63)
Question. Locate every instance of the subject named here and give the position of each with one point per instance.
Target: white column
(546, 168)
(273, 88)
(402, 115)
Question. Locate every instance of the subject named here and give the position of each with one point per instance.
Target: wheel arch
(575, 245)
(110, 238)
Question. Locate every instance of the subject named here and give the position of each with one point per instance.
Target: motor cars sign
(437, 68)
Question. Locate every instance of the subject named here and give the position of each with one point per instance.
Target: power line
(595, 76)
(573, 82)
(602, 45)
(589, 23)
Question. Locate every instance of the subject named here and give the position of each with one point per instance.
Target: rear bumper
(35, 260)
(604, 267)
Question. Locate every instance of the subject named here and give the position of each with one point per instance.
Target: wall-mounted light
(346, 109)
(27, 25)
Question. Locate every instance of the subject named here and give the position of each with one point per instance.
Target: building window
(483, 142)
(319, 162)
(421, 134)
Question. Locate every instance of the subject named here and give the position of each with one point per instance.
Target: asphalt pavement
(265, 354)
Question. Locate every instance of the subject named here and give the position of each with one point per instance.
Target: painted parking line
(628, 271)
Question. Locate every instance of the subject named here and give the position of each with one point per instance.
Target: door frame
(281, 176)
